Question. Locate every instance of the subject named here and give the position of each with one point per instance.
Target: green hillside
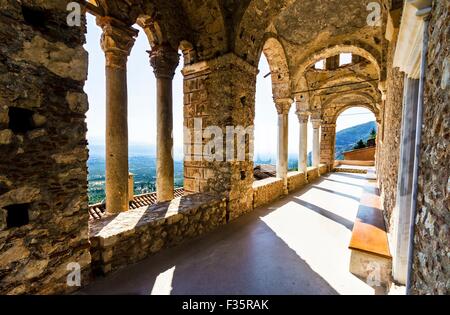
(347, 138)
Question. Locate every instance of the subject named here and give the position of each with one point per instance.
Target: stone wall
(323, 169)
(431, 269)
(313, 173)
(266, 191)
(43, 172)
(131, 236)
(389, 143)
(328, 141)
(222, 93)
(296, 180)
(366, 154)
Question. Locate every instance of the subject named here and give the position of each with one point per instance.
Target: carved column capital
(283, 105)
(316, 119)
(117, 41)
(303, 117)
(164, 60)
(316, 123)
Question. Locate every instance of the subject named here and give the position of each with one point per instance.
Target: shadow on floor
(336, 192)
(328, 214)
(342, 182)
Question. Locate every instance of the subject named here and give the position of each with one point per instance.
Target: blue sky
(142, 102)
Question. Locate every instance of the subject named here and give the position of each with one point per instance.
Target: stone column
(283, 106)
(316, 142)
(164, 60)
(303, 142)
(116, 42)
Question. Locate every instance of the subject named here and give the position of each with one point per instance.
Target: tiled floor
(297, 245)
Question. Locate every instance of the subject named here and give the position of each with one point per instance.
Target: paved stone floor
(297, 245)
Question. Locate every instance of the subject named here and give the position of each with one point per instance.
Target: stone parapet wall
(313, 173)
(43, 172)
(296, 180)
(366, 154)
(323, 169)
(266, 191)
(131, 236)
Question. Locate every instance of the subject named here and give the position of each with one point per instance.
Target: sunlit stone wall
(43, 172)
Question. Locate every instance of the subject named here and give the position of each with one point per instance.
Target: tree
(360, 144)
(373, 134)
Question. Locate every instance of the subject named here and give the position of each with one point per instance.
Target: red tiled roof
(97, 211)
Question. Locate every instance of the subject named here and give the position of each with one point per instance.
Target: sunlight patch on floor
(319, 240)
(163, 283)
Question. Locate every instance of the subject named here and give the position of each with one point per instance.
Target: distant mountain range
(142, 162)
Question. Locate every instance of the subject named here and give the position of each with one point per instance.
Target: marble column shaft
(116, 42)
(316, 142)
(164, 60)
(283, 106)
(303, 142)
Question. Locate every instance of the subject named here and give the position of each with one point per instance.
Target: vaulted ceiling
(300, 33)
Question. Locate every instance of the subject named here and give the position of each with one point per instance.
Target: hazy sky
(142, 101)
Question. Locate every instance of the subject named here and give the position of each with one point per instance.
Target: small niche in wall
(17, 215)
(35, 17)
(20, 120)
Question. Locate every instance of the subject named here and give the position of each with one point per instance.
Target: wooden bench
(370, 256)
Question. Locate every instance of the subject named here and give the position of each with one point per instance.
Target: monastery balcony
(289, 244)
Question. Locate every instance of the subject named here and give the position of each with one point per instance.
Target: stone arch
(255, 22)
(275, 54)
(349, 78)
(336, 105)
(343, 108)
(330, 114)
(164, 23)
(207, 22)
(333, 107)
(364, 51)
